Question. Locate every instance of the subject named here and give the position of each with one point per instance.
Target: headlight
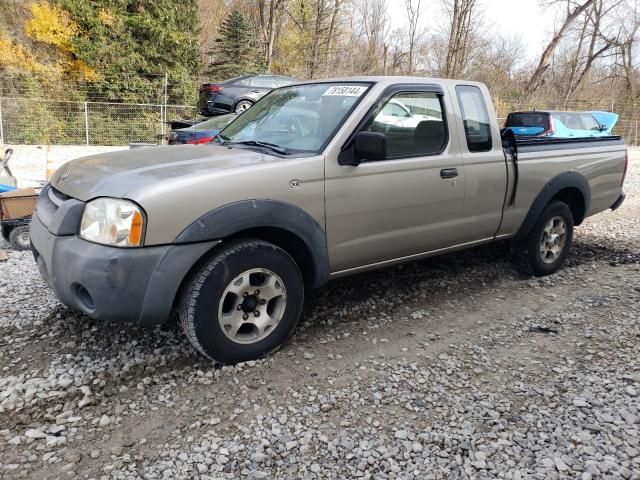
(111, 221)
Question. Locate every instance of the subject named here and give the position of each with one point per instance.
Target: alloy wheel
(553, 240)
(252, 305)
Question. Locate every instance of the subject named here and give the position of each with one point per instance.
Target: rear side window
(590, 123)
(571, 120)
(413, 124)
(284, 81)
(264, 82)
(477, 126)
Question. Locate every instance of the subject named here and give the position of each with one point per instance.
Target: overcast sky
(524, 18)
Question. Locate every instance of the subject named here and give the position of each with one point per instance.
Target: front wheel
(243, 105)
(242, 303)
(19, 238)
(548, 243)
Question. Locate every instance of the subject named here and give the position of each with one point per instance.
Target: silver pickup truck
(316, 181)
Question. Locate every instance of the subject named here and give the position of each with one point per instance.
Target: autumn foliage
(51, 54)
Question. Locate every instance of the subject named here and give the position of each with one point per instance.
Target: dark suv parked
(238, 94)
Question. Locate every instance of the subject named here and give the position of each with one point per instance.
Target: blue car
(561, 124)
(203, 132)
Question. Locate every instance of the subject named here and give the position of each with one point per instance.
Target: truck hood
(120, 174)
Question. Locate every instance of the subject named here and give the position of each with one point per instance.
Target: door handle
(449, 173)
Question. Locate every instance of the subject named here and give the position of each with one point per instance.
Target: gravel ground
(428, 370)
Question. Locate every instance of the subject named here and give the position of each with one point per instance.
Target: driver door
(407, 204)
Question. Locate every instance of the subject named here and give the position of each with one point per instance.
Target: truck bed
(530, 160)
(529, 144)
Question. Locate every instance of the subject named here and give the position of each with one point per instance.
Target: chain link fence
(44, 122)
(27, 121)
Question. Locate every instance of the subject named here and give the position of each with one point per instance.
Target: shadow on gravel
(111, 346)
(382, 293)
(583, 252)
(430, 281)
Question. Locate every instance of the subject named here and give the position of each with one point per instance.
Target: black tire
(202, 299)
(242, 106)
(19, 238)
(527, 253)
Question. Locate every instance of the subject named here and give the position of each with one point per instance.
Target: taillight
(212, 88)
(626, 166)
(198, 141)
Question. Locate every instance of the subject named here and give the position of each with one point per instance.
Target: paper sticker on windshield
(345, 91)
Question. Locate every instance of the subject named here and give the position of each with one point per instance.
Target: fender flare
(235, 217)
(551, 189)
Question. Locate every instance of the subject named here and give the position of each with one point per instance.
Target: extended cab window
(477, 126)
(413, 124)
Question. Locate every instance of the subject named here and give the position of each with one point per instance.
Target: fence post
(86, 123)
(1, 127)
(163, 117)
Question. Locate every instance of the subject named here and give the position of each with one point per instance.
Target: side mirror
(603, 128)
(367, 146)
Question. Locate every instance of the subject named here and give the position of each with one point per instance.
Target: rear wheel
(548, 243)
(19, 238)
(242, 303)
(243, 105)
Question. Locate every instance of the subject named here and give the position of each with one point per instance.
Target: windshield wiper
(255, 143)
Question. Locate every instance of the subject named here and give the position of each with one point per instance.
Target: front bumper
(118, 284)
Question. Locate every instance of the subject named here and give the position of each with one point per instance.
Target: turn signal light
(135, 232)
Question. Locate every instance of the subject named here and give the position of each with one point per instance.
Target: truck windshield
(296, 119)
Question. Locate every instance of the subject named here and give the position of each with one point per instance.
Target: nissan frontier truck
(316, 181)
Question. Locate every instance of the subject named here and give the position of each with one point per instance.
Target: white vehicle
(397, 114)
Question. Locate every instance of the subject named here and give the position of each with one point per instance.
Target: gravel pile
(433, 370)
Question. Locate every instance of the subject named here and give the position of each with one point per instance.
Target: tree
(591, 44)
(310, 37)
(46, 58)
(374, 35)
(625, 40)
(236, 51)
(537, 79)
(497, 63)
(464, 20)
(52, 32)
(413, 15)
(133, 47)
(268, 13)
